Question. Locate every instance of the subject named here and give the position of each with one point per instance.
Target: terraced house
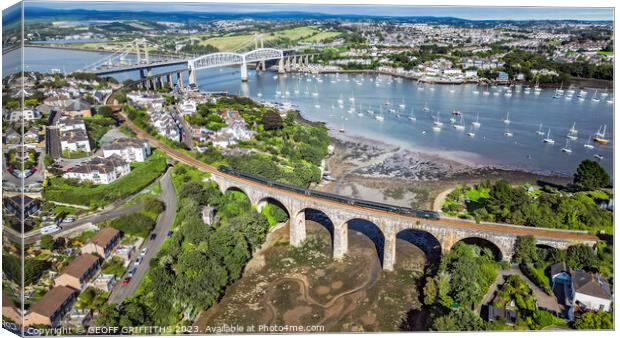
(79, 272)
(103, 242)
(50, 309)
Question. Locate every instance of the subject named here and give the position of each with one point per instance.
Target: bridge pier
(244, 71)
(263, 66)
(192, 76)
(341, 240)
(180, 80)
(281, 66)
(298, 228)
(287, 64)
(169, 80)
(389, 252)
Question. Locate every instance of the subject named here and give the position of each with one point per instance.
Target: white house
(188, 107)
(25, 115)
(100, 170)
(66, 123)
(580, 289)
(74, 140)
(155, 102)
(129, 149)
(590, 292)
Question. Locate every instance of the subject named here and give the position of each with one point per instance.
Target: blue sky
(472, 13)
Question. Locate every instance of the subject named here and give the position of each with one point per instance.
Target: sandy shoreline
(381, 172)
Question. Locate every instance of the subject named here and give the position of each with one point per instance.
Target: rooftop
(104, 236)
(80, 265)
(52, 300)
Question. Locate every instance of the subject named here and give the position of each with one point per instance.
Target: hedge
(96, 196)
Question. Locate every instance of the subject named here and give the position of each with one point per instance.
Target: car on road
(144, 250)
(68, 219)
(153, 236)
(126, 280)
(138, 261)
(169, 233)
(50, 229)
(131, 272)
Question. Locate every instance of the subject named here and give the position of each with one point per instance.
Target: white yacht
(412, 116)
(437, 123)
(572, 133)
(477, 122)
(507, 119)
(548, 139)
(567, 148)
(460, 125)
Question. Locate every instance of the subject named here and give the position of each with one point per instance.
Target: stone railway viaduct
(442, 234)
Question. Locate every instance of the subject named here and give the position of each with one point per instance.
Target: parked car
(153, 236)
(137, 261)
(144, 250)
(170, 233)
(126, 280)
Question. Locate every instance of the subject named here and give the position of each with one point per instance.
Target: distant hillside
(80, 14)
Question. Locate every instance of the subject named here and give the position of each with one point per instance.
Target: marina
(381, 98)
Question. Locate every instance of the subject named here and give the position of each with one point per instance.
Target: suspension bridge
(138, 55)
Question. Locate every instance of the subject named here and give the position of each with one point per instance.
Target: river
(318, 98)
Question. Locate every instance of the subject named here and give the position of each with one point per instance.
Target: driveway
(164, 224)
(545, 301)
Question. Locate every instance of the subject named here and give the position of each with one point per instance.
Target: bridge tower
(259, 41)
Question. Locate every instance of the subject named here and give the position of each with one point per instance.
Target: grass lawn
(231, 42)
(476, 194)
(600, 52)
(96, 196)
(74, 154)
(322, 36)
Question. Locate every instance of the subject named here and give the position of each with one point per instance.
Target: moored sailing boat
(548, 139)
(599, 137)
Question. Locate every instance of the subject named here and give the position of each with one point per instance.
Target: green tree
(272, 120)
(526, 251)
(459, 320)
(430, 291)
(590, 320)
(590, 176)
(47, 242)
(581, 256)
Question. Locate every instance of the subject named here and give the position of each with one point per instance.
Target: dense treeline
(518, 61)
(462, 279)
(199, 261)
(140, 223)
(574, 207)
